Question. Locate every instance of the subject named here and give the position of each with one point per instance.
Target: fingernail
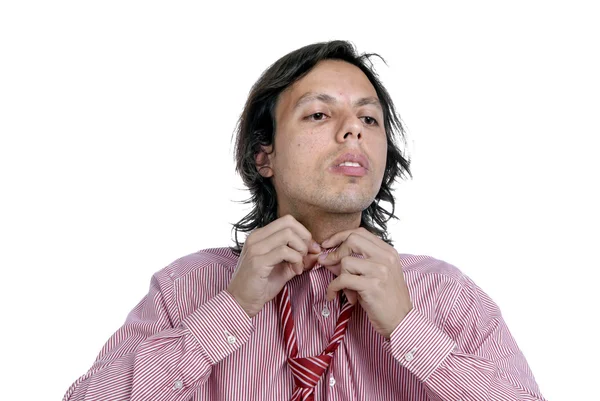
(322, 258)
(325, 243)
(315, 245)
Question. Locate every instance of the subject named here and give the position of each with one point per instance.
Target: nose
(350, 129)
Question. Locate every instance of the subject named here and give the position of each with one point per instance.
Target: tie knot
(307, 371)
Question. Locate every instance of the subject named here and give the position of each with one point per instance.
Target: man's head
(313, 109)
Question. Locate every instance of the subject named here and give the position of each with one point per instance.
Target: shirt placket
(325, 312)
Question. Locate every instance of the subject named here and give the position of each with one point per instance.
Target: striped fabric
(188, 339)
(308, 371)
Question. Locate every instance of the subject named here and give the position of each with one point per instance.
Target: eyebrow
(325, 98)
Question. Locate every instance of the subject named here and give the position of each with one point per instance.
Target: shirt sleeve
(473, 357)
(154, 356)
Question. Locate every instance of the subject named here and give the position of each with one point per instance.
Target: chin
(344, 204)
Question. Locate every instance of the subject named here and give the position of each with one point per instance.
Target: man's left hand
(376, 282)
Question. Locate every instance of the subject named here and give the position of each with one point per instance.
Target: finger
(310, 260)
(351, 296)
(354, 244)
(282, 273)
(281, 223)
(336, 239)
(278, 255)
(286, 236)
(342, 236)
(346, 282)
(357, 266)
(335, 269)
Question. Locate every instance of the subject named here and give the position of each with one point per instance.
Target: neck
(323, 225)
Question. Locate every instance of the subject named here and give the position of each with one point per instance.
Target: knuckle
(289, 252)
(391, 259)
(352, 238)
(249, 250)
(257, 249)
(251, 263)
(294, 256)
(373, 283)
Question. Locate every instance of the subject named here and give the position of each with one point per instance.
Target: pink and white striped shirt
(188, 339)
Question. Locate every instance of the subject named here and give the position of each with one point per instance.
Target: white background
(116, 159)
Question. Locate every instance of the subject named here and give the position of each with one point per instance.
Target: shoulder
(434, 284)
(424, 265)
(221, 259)
(193, 279)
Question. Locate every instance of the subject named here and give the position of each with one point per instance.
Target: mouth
(349, 170)
(351, 164)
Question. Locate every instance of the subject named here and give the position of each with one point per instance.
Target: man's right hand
(271, 256)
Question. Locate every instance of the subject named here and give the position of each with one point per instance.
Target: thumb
(351, 296)
(310, 260)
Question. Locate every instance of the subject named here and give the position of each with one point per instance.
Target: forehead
(334, 73)
(337, 78)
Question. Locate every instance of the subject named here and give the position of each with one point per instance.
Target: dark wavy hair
(256, 127)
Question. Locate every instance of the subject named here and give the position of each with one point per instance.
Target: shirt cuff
(419, 345)
(220, 326)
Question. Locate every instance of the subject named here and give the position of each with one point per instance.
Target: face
(330, 146)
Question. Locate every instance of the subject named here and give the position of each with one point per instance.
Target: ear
(263, 161)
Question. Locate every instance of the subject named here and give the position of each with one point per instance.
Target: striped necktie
(308, 371)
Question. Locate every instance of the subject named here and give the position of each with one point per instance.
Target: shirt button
(331, 381)
(409, 356)
(178, 385)
(325, 312)
(231, 339)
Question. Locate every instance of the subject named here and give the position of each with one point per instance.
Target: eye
(316, 117)
(370, 120)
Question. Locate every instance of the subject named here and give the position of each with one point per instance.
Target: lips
(352, 164)
(352, 158)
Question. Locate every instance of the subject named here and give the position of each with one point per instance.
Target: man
(316, 304)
